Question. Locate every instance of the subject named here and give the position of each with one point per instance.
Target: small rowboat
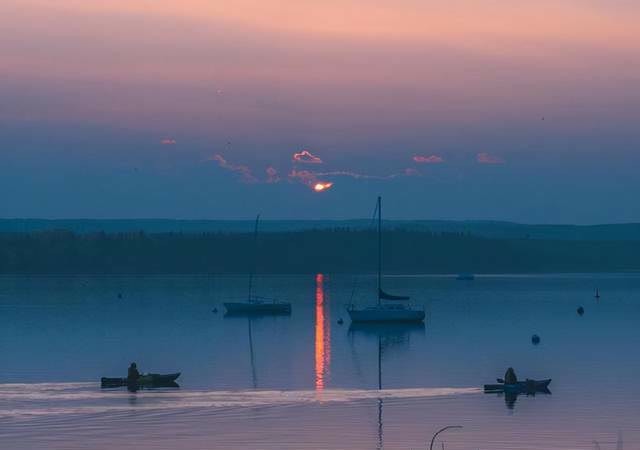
(521, 387)
(146, 380)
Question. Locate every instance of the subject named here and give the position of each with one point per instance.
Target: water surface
(307, 382)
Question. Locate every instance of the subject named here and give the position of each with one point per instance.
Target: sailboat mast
(255, 255)
(379, 247)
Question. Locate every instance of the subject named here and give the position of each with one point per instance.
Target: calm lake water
(307, 382)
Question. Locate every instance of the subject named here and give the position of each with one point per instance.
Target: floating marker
(340, 321)
(535, 339)
(580, 311)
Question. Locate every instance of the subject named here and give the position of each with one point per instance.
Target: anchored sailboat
(385, 312)
(254, 304)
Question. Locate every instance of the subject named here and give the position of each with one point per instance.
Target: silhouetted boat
(522, 387)
(257, 305)
(465, 277)
(385, 312)
(147, 380)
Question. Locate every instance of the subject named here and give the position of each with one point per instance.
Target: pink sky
(364, 86)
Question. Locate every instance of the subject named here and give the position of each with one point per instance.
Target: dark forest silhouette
(327, 251)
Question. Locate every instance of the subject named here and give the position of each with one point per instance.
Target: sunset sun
(319, 187)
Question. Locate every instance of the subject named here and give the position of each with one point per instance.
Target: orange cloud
(486, 158)
(245, 173)
(431, 159)
(306, 157)
(314, 180)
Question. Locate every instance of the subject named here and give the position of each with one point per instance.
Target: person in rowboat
(510, 376)
(133, 374)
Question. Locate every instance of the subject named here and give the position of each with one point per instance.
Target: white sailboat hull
(386, 313)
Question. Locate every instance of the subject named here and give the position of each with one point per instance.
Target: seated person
(510, 376)
(133, 374)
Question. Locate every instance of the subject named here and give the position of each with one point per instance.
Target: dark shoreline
(305, 252)
(494, 229)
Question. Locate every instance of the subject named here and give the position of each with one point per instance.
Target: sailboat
(254, 304)
(385, 312)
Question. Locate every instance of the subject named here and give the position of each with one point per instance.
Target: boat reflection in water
(510, 398)
(391, 333)
(511, 395)
(322, 335)
(388, 335)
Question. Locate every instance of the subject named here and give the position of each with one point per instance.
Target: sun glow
(319, 187)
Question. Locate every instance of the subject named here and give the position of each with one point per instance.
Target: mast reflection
(322, 336)
(387, 335)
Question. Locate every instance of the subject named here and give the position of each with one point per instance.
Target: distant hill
(489, 229)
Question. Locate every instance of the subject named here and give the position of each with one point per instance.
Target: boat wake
(47, 399)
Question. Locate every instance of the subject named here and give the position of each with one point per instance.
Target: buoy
(215, 310)
(535, 339)
(119, 295)
(597, 293)
(340, 321)
(580, 311)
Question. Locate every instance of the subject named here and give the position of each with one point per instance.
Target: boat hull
(147, 380)
(386, 315)
(265, 308)
(529, 386)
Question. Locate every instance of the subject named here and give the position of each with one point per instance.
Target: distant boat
(465, 277)
(258, 305)
(385, 312)
(523, 387)
(150, 380)
(597, 293)
(254, 304)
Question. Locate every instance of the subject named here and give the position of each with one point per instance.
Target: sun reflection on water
(323, 336)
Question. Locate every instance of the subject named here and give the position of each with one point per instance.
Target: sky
(203, 109)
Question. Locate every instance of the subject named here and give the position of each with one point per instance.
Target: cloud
(272, 175)
(431, 159)
(364, 176)
(168, 142)
(410, 172)
(304, 176)
(306, 157)
(486, 158)
(245, 173)
(345, 173)
(310, 179)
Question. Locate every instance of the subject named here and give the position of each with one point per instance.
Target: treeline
(327, 251)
